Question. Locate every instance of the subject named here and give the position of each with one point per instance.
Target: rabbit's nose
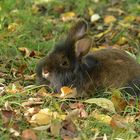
(45, 73)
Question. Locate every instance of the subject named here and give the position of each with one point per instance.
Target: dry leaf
(101, 117)
(14, 132)
(7, 115)
(45, 116)
(43, 92)
(12, 27)
(41, 119)
(94, 18)
(109, 19)
(74, 114)
(25, 51)
(41, 128)
(28, 134)
(14, 88)
(102, 102)
(67, 92)
(55, 128)
(76, 105)
(118, 121)
(117, 100)
(68, 16)
(129, 19)
(122, 41)
(68, 129)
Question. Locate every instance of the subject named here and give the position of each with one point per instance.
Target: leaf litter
(60, 114)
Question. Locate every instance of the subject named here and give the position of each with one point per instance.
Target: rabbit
(72, 63)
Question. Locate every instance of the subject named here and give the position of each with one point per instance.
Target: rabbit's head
(68, 63)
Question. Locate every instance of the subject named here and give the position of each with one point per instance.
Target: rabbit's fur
(72, 63)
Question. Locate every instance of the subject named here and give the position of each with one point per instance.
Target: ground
(28, 30)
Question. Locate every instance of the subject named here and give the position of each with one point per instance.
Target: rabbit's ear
(83, 46)
(77, 31)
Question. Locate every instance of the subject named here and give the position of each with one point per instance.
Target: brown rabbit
(71, 63)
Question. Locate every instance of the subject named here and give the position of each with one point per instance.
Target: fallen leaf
(7, 115)
(68, 16)
(41, 119)
(68, 129)
(2, 89)
(45, 116)
(94, 18)
(120, 122)
(129, 18)
(74, 114)
(28, 134)
(14, 132)
(42, 92)
(59, 9)
(67, 92)
(14, 88)
(109, 19)
(32, 54)
(101, 117)
(118, 100)
(25, 51)
(122, 41)
(76, 105)
(12, 27)
(102, 102)
(55, 128)
(40, 128)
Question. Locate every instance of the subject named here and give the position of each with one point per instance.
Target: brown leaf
(59, 9)
(68, 92)
(74, 114)
(7, 115)
(118, 100)
(22, 68)
(28, 134)
(109, 19)
(77, 105)
(68, 129)
(118, 121)
(32, 54)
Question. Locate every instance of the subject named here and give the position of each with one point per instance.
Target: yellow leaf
(12, 27)
(43, 92)
(68, 16)
(109, 19)
(122, 41)
(24, 50)
(129, 18)
(99, 48)
(101, 117)
(102, 102)
(41, 119)
(14, 88)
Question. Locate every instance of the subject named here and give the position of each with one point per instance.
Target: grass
(38, 28)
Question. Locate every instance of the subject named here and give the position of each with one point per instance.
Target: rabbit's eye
(65, 63)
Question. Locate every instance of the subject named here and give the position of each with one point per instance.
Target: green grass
(31, 29)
